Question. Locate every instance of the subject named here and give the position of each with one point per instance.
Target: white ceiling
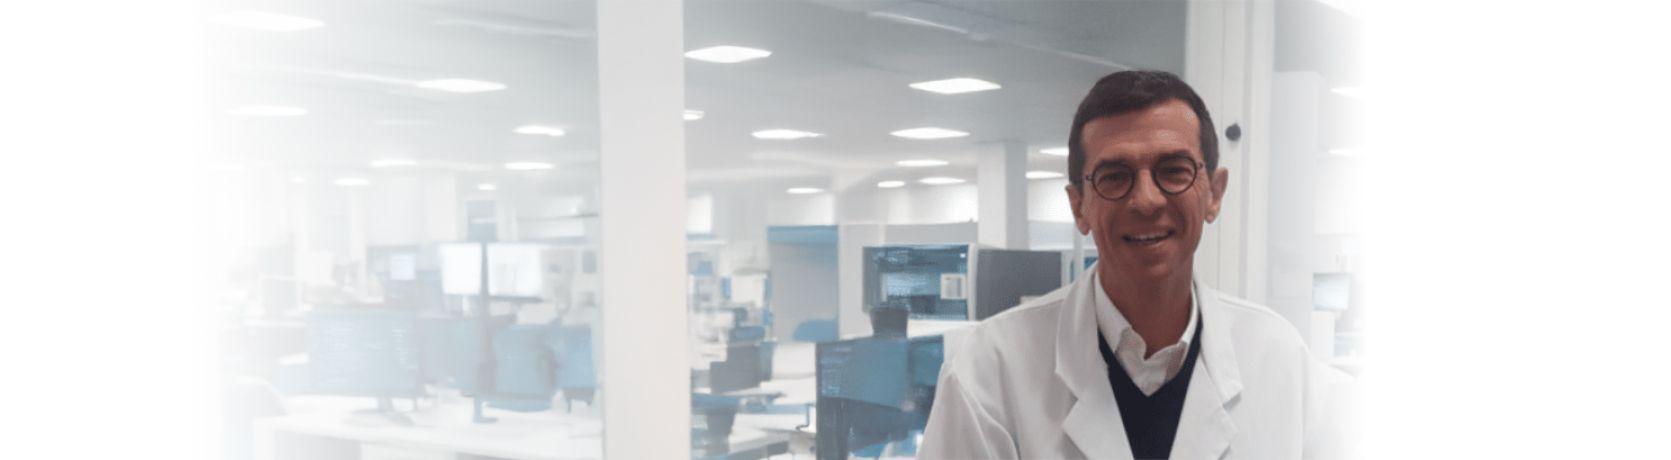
(838, 67)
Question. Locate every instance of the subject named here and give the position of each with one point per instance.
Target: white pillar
(644, 378)
(1002, 185)
(1229, 60)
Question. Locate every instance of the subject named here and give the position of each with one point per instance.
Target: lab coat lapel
(1205, 428)
(1093, 424)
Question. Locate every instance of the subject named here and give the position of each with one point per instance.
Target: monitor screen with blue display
(365, 352)
(875, 392)
(930, 281)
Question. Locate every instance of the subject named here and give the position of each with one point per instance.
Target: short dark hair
(1132, 90)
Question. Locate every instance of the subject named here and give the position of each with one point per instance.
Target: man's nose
(1146, 197)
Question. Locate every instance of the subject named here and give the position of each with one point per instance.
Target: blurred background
(406, 222)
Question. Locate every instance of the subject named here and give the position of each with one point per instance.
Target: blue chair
(576, 376)
(816, 330)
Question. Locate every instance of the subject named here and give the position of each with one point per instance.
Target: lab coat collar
(1205, 427)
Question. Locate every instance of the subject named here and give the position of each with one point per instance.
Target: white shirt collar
(1149, 374)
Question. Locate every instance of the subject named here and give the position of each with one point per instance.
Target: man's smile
(1148, 238)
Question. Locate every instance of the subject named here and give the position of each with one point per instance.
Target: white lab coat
(1031, 383)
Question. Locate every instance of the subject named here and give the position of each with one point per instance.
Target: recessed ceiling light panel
(693, 115)
(922, 163)
(540, 130)
(956, 85)
(805, 190)
(528, 165)
(784, 134)
(392, 162)
(929, 133)
(890, 184)
(941, 180)
(727, 54)
(1043, 175)
(461, 85)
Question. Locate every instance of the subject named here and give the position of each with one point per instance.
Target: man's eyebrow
(1102, 163)
(1183, 153)
(1176, 154)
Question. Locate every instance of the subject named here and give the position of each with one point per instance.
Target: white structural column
(645, 378)
(1002, 184)
(1230, 49)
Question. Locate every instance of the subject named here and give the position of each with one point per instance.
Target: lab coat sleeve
(959, 428)
(1331, 413)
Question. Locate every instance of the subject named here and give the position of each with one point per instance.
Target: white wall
(395, 212)
(1047, 201)
(815, 209)
(901, 206)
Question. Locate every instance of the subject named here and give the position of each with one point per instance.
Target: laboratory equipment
(954, 281)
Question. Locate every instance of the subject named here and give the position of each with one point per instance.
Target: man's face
(1148, 233)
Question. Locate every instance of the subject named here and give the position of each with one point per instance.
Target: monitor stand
(383, 415)
(476, 415)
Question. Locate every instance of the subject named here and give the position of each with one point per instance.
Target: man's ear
(1221, 178)
(1075, 199)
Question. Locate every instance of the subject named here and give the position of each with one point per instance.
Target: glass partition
(404, 206)
(848, 155)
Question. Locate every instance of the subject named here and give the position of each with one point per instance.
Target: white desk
(445, 431)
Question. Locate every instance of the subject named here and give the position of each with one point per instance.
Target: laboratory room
(558, 229)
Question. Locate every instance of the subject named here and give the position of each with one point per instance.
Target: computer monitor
(366, 352)
(875, 391)
(1331, 291)
(514, 269)
(452, 349)
(525, 376)
(928, 281)
(863, 394)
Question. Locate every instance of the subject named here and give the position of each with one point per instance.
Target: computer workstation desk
(323, 427)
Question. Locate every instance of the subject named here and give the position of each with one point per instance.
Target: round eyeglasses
(1173, 175)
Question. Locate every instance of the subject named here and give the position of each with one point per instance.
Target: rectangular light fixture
(540, 130)
(461, 85)
(392, 162)
(727, 54)
(528, 165)
(271, 22)
(922, 163)
(693, 115)
(1057, 151)
(784, 134)
(1043, 174)
(805, 190)
(1353, 92)
(890, 184)
(351, 182)
(956, 85)
(940, 180)
(929, 133)
(487, 187)
(267, 111)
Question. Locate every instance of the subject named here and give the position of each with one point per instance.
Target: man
(1136, 359)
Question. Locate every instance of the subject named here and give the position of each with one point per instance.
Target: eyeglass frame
(1154, 177)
